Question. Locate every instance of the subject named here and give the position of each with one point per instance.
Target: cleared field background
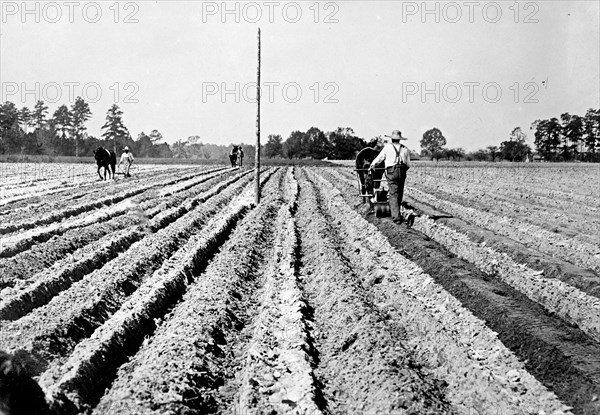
(172, 293)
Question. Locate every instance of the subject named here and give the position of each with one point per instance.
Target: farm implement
(373, 189)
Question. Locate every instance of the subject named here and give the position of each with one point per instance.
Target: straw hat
(396, 136)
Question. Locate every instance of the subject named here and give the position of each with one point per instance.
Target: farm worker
(126, 161)
(397, 158)
(241, 154)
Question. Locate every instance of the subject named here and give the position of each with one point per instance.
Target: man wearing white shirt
(126, 161)
(397, 160)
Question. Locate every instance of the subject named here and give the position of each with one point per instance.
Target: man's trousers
(396, 176)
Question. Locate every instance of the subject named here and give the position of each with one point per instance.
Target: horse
(233, 159)
(107, 159)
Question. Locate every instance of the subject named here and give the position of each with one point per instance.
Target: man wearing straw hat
(126, 161)
(397, 158)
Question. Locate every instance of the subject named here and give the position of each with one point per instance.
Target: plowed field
(172, 293)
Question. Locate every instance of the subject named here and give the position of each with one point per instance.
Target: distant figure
(234, 154)
(126, 161)
(107, 159)
(240, 155)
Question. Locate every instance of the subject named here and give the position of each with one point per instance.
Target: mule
(107, 159)
(233, 159)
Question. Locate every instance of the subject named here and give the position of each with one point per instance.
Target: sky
(474, 69)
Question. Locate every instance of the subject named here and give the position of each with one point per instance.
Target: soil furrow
(44, 255)
(510, 180)
(64, 196)
(54, 329)
(78, 384)
(14, 244)
(41, 256)
(196, 336)
(577, 253)
(567, 222)
(48, 283)
(481, 372)
(363, 363)
(569, 303)
(278, 374)
(68, 212)
(561, 357)
(539, 263)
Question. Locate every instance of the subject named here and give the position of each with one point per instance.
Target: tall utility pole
(257, 153)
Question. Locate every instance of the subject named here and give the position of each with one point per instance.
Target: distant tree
(591, 136)
(547, 137)
(318, 145)
(163, 150)
(274, 146)
(10, 133)
(9, 117)
(379, 141)
(514, 150)
(179, 149)
(26, 119)
(345, 144)
(197, 150)
(62, 120)
(249, 152)
(433, 141)
(493, 152)
(478, 155)
(456, 153)
(518, 135)
(156, 137)
(81, 114)
(573, 130)
(39, 114)
(114, 128)
(143, 145)
(293, 145)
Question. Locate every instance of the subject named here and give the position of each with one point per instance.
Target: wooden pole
(257, 153)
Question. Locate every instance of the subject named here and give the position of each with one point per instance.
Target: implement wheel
(382, 211)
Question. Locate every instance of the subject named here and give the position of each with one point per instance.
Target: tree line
(64, 133)
(33, 132)
(573, 138)
(341, 144)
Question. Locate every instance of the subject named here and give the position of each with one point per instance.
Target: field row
(22, 181)
(506, 286)
(193, 300)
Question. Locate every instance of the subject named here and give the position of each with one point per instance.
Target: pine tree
(62, 120)
(81, 113)
(39, 115)
(25, 118)
(114, 128)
